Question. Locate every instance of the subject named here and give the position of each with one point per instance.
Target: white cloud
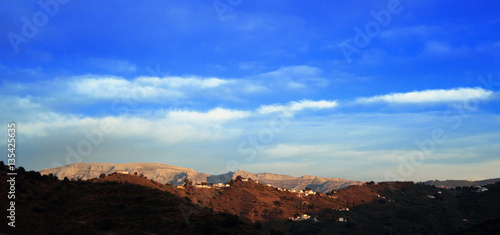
(141, 88)
(431, 96)
(177, 82)
(216, 115)
(293, 78)
(292, 107)
(173, 127)
(287, 150)
(294, 71)
(90, 88)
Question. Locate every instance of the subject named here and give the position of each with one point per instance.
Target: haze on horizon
(384, 90)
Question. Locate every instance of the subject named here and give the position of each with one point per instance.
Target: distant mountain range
(175, 175)
(460, 183)
(164, 173)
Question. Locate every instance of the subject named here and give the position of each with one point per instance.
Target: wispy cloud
(422, 31)
(294, 77)
(430, 96)
(92, 87)
(288, 150)
(296, 106)
(112, 65)
(177, 82)
(213, 116)
(142, 87)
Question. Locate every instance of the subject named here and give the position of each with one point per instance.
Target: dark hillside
(49, 206)
(132, 204)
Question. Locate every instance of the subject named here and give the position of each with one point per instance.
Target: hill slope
(117, 204)
(130, 204)
(317, 184)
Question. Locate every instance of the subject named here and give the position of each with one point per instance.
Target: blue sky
(379, 90)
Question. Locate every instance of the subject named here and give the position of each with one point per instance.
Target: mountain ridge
(461, 183)
(165, 173)
(175, 175)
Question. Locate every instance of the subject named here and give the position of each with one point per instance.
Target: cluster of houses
(480, 189)
(303, 217)
(205, 185)
(300, 192)
(246, 180)
(218, 185)
(308, 217)
(341, 209)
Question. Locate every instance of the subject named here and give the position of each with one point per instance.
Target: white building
(481, 189)
(304, 217)
(221, 185)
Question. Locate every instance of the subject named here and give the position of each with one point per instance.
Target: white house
(202, 186)
(481, 189)
(304, 217)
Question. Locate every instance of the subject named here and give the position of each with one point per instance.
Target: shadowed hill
(47, 205)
